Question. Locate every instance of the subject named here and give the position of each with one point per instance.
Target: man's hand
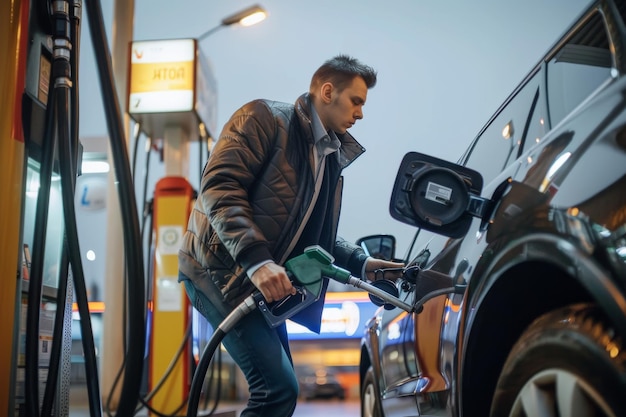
(272, 280)
(374, 269)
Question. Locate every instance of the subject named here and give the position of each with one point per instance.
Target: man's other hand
(381, 269)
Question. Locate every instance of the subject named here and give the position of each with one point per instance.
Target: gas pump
(42, 292)
(171, 96)
(41, 268)
(170, 358)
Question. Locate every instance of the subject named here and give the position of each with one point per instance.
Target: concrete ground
(79, 407)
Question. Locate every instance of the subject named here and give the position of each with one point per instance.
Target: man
(271, 187)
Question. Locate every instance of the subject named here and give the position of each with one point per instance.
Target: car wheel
(370, 402)
(567, 363)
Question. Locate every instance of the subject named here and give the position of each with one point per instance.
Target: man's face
(345, 107)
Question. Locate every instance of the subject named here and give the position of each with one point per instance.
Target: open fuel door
(437, 195)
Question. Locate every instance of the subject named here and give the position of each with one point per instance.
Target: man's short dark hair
(341, 70)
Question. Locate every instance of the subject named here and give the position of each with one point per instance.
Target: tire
(567, 363)
(370, 399)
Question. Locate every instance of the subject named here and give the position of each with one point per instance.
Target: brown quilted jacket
(254, 193)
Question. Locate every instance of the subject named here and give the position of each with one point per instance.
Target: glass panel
(54, 237)
(499, 144)
(581, 66)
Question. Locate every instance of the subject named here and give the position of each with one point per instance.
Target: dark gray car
(520, 296)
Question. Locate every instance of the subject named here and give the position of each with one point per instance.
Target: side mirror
(436, 195)
(379, 246)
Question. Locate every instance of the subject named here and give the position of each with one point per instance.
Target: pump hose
(31, 354)
(57, 121)
(129, 395)
(248, 305)
(61, 316)
(67, 187)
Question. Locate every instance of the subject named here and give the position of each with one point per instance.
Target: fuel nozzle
(306, 272)
(316, 263)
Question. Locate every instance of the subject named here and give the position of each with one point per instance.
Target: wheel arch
(529, 278)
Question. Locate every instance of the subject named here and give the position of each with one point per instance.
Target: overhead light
(253, 19)
(247, 17)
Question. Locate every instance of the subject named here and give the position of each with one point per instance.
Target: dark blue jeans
(262, 354)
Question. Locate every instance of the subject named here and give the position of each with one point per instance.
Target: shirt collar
(325, 142)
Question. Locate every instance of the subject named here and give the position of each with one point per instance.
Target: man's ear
(326, 91)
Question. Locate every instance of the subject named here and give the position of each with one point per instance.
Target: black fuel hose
(248, 305)
(215, 376)
(62, 293)
(133, 371)
(31, 353)
(68, 183)
(67, 143)
(60, 72)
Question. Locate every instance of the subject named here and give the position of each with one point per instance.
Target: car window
(499, 143)
(578, 68)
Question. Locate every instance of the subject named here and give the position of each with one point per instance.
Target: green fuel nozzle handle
(312, 265)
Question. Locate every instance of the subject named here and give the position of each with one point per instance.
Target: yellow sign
(162, 76)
